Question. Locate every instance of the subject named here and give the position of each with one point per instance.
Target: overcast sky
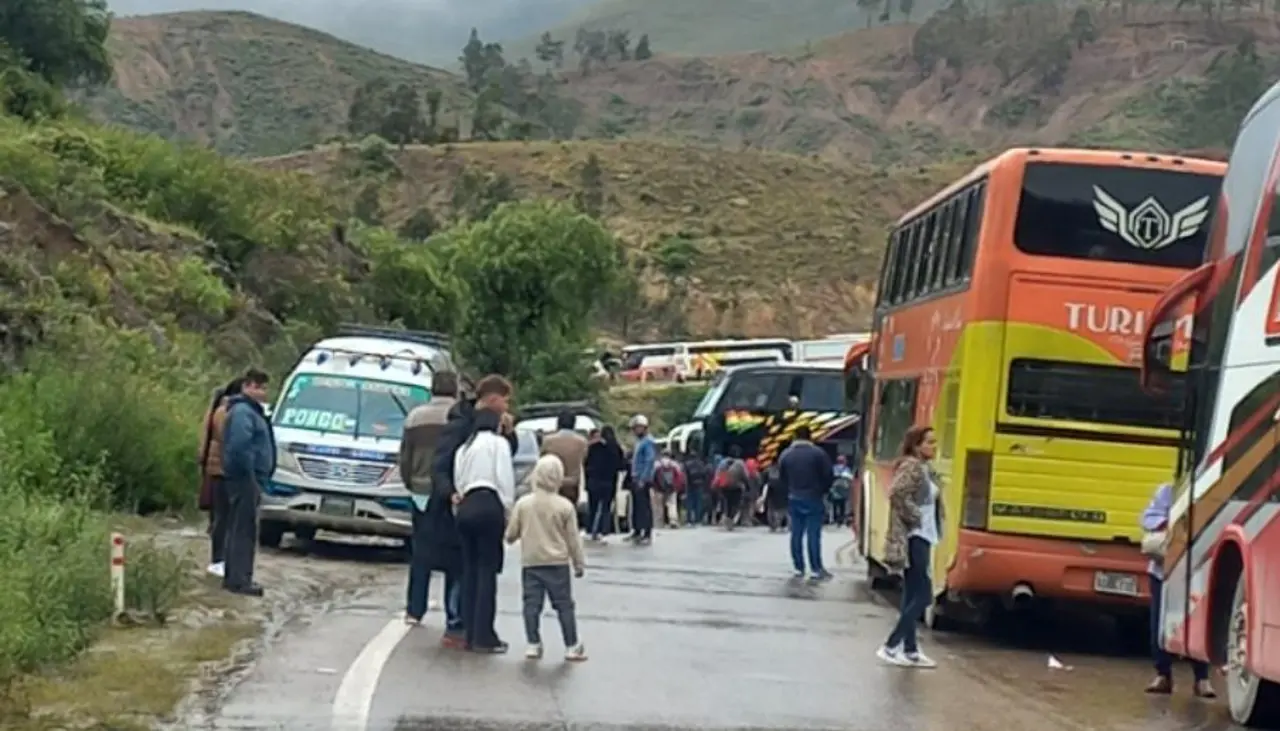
(422, 30)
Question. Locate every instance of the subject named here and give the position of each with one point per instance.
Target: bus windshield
(352, 406)
(1117, 214)
(709, 400)
(1098, 394)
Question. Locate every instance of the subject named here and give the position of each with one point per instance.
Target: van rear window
(1096, 394)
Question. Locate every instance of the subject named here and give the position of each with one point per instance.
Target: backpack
(841, 488)
(726, 477)
(666, 477)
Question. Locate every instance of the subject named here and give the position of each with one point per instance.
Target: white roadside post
(117, 573)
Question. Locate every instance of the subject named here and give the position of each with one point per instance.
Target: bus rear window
(1097, 394)
(1120, 214)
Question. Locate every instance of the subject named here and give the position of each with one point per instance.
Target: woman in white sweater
(485, 479)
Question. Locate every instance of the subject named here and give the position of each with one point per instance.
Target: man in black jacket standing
(443, 546)
(806, 470)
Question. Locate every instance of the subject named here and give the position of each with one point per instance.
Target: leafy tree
(590, 195)
(476, 195)
(1208, 116)
(550, 51)
(1082, 28)
(905, 7)
(368, 205)
(618, 44)
(486, 116)
(643, 52)
(368, 107)
(63, 41)
(24, 94)
(592, 46)
(434, 97)
(420, 226)
(481, 62)
(410, 285)
(534, 273)
(403, 123)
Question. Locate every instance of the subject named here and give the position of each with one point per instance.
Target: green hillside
(245, 84)
(704, 27)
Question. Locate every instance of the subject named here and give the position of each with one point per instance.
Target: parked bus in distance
(1009, 317)
(758, 407)
(705, 359)
(831, 349)
(1221, 583)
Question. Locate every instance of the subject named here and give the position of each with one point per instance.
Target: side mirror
(1168, 333)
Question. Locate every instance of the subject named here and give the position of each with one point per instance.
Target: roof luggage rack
(419, 337)
(553, 408)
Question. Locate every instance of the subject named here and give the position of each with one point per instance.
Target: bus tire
(878, 577)
(936, 617)
(271, 534)
(1254, 702)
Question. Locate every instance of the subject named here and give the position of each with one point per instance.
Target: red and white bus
(1222, 564)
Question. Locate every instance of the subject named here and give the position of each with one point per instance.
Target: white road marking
(354, 699)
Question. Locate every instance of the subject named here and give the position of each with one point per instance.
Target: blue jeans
(1164, 661)
(917, 592)
(693, 506)
(807, 516)
(420, 580)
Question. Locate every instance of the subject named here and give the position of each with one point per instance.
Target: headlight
(286, 461)
(392, 477)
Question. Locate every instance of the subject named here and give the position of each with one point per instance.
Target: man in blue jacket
(248, 460)
(806, 470)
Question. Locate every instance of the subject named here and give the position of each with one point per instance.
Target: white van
(338, 422)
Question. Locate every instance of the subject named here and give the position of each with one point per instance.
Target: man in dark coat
(443, 547)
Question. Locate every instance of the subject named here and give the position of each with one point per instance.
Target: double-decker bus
(1221, 598)
(1009, 317)
(759, 406)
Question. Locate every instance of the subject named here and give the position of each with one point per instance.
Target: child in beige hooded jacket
(546, 524)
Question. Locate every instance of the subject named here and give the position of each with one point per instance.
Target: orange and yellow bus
(1010, 317)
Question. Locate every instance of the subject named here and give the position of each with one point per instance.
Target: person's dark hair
(233, 388)
(735, 451)
(912, 440)
(493, 385)
(486, 420)
(804, 433)
(566, 419)
(255, 377)
(444, 384)
(608, 434)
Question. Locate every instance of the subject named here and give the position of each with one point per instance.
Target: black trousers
(599, 508)
(641, 513)
(481, 521)
(243, 497)
(219, 517)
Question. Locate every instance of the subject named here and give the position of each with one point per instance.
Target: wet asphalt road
(703, 630)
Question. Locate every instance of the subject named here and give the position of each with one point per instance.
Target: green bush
(53, 555)
(112, 408)
(154, 580)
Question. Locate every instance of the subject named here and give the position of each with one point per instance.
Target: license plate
(1110, 582)
(342, 507)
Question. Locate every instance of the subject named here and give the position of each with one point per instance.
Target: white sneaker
(891, 656)
(919, 660)
(533, 653)
(577, 653)
(217, 569)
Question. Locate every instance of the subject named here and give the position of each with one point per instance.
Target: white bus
(706, 358)
(831, 349)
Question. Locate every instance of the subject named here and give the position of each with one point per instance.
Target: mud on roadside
(146, 677)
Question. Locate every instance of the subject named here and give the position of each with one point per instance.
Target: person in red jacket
(668, 484)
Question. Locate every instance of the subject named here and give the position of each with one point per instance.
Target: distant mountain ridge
(425, 31)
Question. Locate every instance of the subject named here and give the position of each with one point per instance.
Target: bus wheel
(1254, 702)
(938, 619)
(878, 577)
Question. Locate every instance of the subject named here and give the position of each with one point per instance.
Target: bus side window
(973, 227)
(942, 251)
(887, 271)
(896, 414)
(902, 270)
(924, 248)
(956, 250)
